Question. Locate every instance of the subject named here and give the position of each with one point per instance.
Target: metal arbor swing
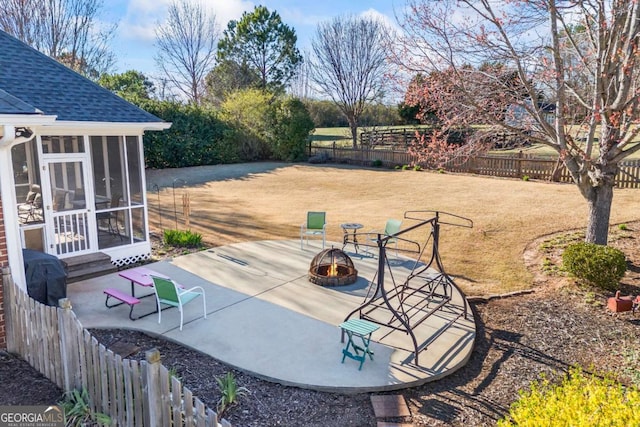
(426, 290)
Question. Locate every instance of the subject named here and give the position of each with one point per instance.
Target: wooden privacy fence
(394, 137)
(402, 138)
(132, 393)
(504, 165)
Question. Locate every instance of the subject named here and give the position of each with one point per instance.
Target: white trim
(143, 183)
(40, 121)
(27, 119)
(121, 254)
(102, 128)
(12, 231)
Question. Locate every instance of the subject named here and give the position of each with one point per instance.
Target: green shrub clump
(182, 239)
(377, 163)
(580, 400)
(600, 266)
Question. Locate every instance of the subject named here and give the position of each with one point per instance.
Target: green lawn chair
(170, 293)
(392, 227)
(315, 226)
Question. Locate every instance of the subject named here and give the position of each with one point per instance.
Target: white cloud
(295, 17)
(376, 15)
(142, 16)
(227, 10)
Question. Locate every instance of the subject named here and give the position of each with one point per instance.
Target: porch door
(68, 212)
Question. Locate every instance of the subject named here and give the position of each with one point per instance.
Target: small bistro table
(349, 230)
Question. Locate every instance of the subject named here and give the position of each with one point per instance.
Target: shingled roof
(31, 82)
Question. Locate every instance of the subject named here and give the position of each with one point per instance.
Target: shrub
(580, 400)
(183, 239)
(230, 392)
(598, 265)
(525, 177)
(195, 138)
(291, 127)
(249, 117)
(623, 227)
(405, 167)
(376, 163)
(78, 412)
(417, 168)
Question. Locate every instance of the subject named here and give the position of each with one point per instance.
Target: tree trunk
(600, 200)
(354, 134)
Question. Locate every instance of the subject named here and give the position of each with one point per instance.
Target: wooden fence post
(152, 389)
(519, 163)
(66, 344)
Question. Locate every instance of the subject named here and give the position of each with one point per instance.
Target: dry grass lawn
(507, 214)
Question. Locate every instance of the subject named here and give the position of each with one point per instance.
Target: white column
(12, 229)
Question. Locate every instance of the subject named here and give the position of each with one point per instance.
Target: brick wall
(4, 262)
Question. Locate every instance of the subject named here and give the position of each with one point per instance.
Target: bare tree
(71, 36)
(350, 64)
(546, 44)
(23, 19)
(187, 46)
(63, 29)
(300, 83)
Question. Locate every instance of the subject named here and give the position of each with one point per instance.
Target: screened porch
(79, 194)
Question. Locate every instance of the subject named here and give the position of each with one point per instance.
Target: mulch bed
(519, 338)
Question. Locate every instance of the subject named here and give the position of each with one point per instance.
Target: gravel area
(519, 338)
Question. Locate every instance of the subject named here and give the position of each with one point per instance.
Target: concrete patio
(264, 317)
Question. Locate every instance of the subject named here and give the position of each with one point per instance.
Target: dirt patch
(519, 338)
(23, 385)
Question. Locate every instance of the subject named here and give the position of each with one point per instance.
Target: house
(72, 176)
(520, 115)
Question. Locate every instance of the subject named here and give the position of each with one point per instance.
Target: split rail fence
(503, 165)
(132, 393)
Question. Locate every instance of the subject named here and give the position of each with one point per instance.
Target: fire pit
(332, 267)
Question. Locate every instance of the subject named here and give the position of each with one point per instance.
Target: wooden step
(83, 267)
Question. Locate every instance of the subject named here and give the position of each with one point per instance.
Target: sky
(133, 43)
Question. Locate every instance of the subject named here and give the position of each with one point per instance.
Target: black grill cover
(46, 277)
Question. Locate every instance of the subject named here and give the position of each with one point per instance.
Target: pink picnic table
(140, 276)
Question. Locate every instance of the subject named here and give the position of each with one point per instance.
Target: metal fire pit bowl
(332, 267)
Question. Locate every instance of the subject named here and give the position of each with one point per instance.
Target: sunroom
(71, 163)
